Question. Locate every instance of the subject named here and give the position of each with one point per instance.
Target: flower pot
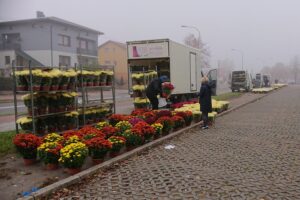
(42, 111)
(21, 88)
(155, 137)
(71, 86)
(70, 108)
(109, 83)
(73, 171)
(96, 83)
(29, 161)
(45, 88)
(52, 166)
(113, 154)
(63, 87)
(36, 88)
(89, 84)
(97, 161)
(102, 83)
(52, 129)
(54, 87)
(61, 109)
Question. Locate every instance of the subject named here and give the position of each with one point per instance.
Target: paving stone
(251, 153)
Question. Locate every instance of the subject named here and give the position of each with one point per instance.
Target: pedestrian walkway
(251, 153)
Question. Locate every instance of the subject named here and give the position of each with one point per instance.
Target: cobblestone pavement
(251, 153)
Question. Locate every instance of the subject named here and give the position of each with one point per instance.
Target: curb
(44, 192)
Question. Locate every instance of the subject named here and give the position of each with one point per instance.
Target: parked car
(241, 80)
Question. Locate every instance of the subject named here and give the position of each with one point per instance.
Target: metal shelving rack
(144, 70)
(86, 102)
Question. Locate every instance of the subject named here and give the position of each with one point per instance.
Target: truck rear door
(212, 77)
(193, 72)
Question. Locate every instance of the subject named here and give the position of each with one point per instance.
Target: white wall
(44, 56)
(2, 58)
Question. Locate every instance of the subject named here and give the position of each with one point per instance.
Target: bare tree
(192, 41)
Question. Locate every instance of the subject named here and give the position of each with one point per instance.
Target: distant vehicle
(182, 64)
(266, 81)
(258, 81)
(241, 80)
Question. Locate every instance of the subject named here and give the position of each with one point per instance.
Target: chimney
(39, 14)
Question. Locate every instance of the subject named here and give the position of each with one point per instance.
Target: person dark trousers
(205, 120)
(153, 101)
(153, 89)
(205, 101)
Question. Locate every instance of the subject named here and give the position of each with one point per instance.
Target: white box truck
(241, 80)
(182, 64)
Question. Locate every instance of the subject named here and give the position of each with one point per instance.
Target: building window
(7, 60)
(64, 40)
(64, 61)
(83, 44)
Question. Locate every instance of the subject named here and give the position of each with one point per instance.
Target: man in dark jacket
(205, 101)
(153, 89)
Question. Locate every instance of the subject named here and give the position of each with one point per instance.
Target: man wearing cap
(153, 89)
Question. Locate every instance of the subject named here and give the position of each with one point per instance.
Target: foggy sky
(267, 31)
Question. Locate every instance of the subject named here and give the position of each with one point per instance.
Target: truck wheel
(232, 90)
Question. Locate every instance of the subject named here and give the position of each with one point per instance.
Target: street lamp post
(242, 53)
(195, 28)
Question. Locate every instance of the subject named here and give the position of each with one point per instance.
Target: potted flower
(72, 157)
(25, 123)
(69, 100)
(26, 145)
(158, 129)
(72, 78)
(46, 81)
(37, 76)
(197, 115)
(109, 78)
(101, 125)
(115, 118)
(56, 75)
(167, 124)
(41, 104)
(103, 76)
(70, 119)
(186, 115)
(64, 81)
(141, 102)
(109, 131)
(133, 121)
(147, 130)
(178, 122)
(49, 153)
(123, 126)
(22, 80)
(97, 77)
(137, 78)
(139, 111)
(212, 117)
(167, 89)
(73, 139)
(133, 138)
(53, 137)
(138, 89)
(98, 148)
(117, 143)
(163, 113)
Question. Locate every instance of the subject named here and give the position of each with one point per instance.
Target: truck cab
(241, 80)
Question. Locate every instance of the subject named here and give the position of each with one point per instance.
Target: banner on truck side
(148, 50)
